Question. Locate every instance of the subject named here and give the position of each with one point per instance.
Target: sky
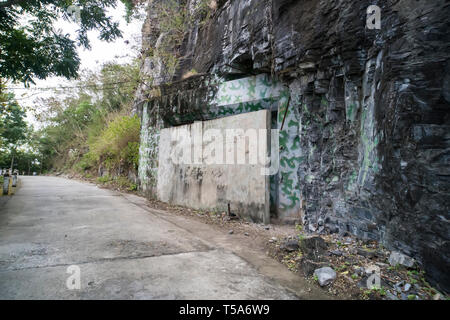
(122, 50)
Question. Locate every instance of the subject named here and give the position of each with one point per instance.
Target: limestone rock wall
(368, 111)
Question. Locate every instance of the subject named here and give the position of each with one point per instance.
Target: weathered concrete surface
(204, 166)
(124, 250)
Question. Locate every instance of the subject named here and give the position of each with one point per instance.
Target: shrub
(86, 162)
(119, 182)
(104, 179)
(131, 154)
(118, 143)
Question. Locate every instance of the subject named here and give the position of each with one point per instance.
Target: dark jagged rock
(325, 276)
(290, 245)
(313, 248)
(367, 253)
(372, 105)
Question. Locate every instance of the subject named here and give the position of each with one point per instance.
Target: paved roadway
(124, 250)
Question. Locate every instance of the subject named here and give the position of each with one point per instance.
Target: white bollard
(14, 180)
(5, 185)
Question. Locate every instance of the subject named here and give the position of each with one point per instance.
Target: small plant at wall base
(104, 179)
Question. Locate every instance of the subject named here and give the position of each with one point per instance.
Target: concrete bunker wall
(199, 167)
(188, 103)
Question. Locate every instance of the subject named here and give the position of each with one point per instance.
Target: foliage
(16, 140)
(175, 19)
(132, 153)
(31, 48)
(104, 179)
(205, 9)
(74, 123)
(67, 123)
(131, 7)
(115, 83)
(13, 128)
(119, 182)
(91, 129)
(26, 161)
(368, 293)
(124, 183)
(118, 143)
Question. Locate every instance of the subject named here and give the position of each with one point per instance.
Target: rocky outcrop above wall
(371, 108)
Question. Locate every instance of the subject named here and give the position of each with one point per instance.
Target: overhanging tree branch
(9, 3)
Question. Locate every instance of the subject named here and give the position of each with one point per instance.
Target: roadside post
(10, 182)
(6, 180)
(14, 179)
(2, 181)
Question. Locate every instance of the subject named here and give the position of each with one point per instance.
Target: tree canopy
(30, 47)
(13, 128)
(92, 126)
(12, 121)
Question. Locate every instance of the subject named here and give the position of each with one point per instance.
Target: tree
(13, 128)
(36, 49)
(115, 85)
(75, 127)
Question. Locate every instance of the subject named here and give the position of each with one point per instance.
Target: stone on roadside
(312, 228)
(336, 253)
(230, 232)
(381, 264)
(290, 245)
(325, 275)
(366, 253)
(309, 266)
(399, 258)
(398, 286)
(313, 247)
(360, 271)
(391, 296)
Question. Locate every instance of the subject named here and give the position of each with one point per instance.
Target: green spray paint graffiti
(148, 152)
(290, 155)
(369, 139)
(247, 89)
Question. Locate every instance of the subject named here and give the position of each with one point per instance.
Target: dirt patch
(352, 259)
(356, 264)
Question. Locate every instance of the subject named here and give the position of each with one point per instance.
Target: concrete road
(124, 250)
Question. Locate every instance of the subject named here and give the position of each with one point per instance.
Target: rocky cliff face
(368, 111)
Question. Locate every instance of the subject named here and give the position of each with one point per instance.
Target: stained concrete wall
(180, 104)
(204, 184)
